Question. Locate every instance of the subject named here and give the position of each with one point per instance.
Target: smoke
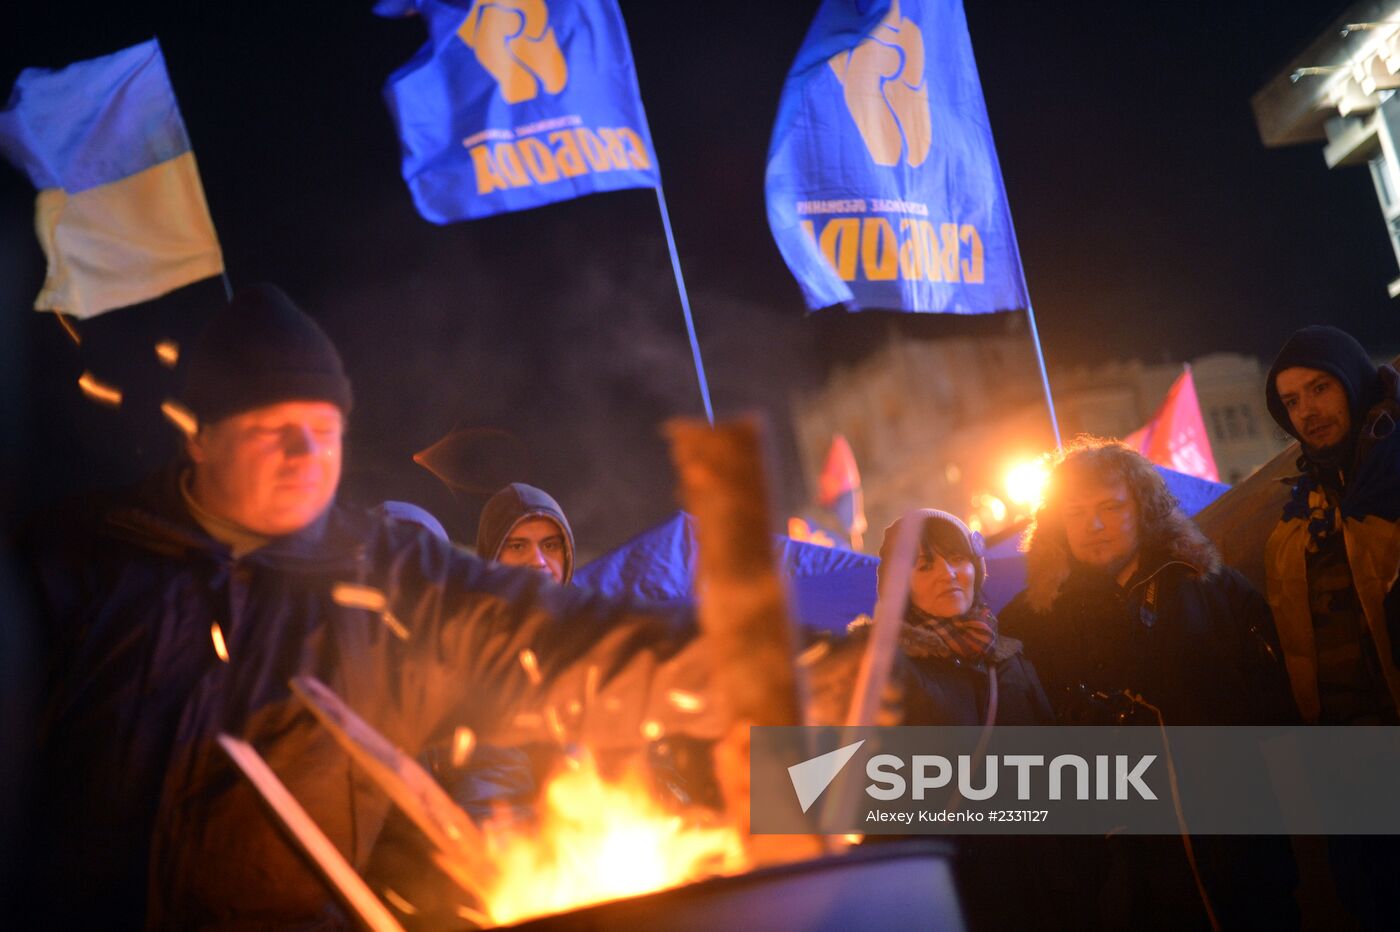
(532, 350)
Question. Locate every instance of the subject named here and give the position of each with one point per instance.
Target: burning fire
(600, 840)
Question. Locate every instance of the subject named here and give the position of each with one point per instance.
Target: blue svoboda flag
(514, 104)
(121, 213)
(883, 184)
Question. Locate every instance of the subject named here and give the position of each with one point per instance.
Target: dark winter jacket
(1193, 639)
(939, 689)
(1189, 636)
(138, 799)
(510, 506)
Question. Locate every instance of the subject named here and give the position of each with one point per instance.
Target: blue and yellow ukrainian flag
(121, 213)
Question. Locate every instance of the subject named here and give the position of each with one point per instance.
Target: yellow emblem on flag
(514, 42)
(885, 90)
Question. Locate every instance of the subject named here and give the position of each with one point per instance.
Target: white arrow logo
(811, 777)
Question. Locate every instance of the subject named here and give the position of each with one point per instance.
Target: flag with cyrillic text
(883, 185)
(514, 104)
(121, 213)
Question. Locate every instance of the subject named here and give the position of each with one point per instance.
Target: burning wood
(743, 605)
(743, 608)
(595, 840)
(601, 840)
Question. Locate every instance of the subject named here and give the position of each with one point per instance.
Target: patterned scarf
(969, 637)
(1308, 502)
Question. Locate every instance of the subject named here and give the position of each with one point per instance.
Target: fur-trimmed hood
(1049, 563)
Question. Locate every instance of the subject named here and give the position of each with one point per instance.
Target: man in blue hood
(1332, 560)
(524, 526)
(1332, 563)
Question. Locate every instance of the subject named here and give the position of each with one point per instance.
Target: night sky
(550, 343)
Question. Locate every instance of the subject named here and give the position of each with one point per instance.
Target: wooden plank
(337, 871)
(745, 627)
(405, 782)
(742, 599)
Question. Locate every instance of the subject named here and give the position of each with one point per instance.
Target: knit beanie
(976, 545)
(1335, 352)
(259, 350)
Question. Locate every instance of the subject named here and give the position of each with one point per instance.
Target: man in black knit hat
(1331, 566)
(182, 608)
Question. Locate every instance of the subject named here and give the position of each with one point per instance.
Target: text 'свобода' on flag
(514, 104)
(883, 185)
(121, 213)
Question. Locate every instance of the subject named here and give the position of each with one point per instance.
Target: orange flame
(600, 840)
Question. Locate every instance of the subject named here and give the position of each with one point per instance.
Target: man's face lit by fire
(1101, 524)
(537, 543)
(1317, 406)
(271, 470)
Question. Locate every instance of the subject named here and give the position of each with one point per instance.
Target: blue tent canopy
(830, 586)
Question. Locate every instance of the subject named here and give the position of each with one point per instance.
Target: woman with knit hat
(956, 668)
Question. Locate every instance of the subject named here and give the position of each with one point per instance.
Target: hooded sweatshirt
(512, 505)
(1332, 560)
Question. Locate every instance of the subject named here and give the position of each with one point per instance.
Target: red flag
(1176, 436)
(839, 489)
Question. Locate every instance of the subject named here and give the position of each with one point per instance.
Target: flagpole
(1040, 359)
(1030, 317)
(685, 306)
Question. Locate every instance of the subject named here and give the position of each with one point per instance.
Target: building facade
(941, 423)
